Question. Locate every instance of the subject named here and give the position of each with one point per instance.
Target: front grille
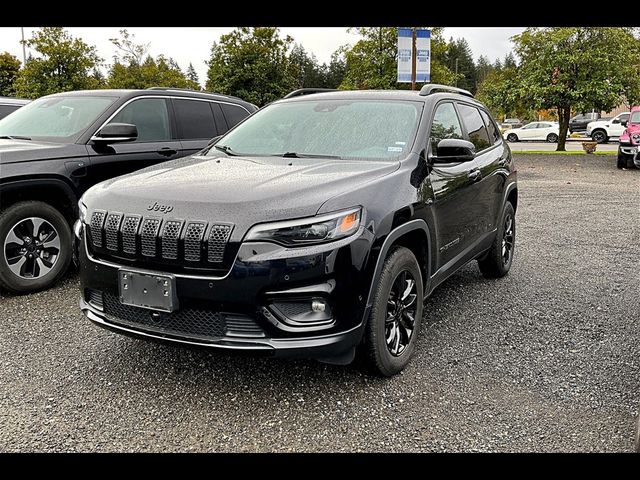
(130, 233)
(111, 229)
(153, 242)
(218, 238)
(196, 323)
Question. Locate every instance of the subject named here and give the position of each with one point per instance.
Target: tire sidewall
(508, 209)
(15, 214)
(398, 260)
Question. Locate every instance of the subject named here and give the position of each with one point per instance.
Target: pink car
(629, 149)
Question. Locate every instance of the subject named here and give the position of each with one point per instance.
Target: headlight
(82, 209)
(305, 231)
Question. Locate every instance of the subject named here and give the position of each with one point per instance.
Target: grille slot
(188, 322)
(148, 235)
(129, 231)
(97, 219)
(193, 241)
(94, 297)
(218, 238)
(170, 235)
(111, 228)
(242, 326)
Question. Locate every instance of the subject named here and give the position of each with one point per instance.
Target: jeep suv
(56, 147)
(629, 148)
(315, 227)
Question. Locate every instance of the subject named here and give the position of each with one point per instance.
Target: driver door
(530, 131)
(156, 140)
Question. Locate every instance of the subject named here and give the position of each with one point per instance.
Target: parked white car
(600, 131)
(549, 131)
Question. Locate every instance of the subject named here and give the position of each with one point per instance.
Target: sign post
(414, 56)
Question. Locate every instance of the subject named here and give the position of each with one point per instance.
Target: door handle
(475, 175)
(167, 151)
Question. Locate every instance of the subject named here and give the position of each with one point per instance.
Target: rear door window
(494, 133)
(233, 113)
(475, 127)
(195, 119)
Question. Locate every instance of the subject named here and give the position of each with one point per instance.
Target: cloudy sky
(193, 44)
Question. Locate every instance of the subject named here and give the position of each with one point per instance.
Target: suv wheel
(512, 137)
(599, 136)
(36, 246)
(396, 314)
(552, 138)
(498, 261)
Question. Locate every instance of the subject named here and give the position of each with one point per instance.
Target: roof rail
(176, 89)
(308, 91)
(433, 87)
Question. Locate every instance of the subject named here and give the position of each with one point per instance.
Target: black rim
(598, 136)
(553, 138)
(511, 137)
(507, 240)
(31, 248)
(401, 313)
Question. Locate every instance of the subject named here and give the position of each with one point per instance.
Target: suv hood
(15, 151)
(239, 190)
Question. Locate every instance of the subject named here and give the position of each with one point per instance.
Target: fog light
(318, 306)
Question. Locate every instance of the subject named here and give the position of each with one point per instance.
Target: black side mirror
(116, 132)
(454, 150)
(624, 123)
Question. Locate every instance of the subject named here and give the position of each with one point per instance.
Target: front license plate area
(148, 290)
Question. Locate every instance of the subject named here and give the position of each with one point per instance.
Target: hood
(15, 151)
(631, 134)
(239, 190)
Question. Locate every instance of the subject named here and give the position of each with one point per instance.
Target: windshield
(353, 129)
(54, 118)
(635, 117)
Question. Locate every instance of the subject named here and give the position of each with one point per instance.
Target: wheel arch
(415, 236)
(53, 191)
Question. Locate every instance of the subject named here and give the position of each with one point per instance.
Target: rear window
(494, 133)
(7, 109)
(233, 114)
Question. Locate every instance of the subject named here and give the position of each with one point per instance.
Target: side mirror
(454, 150)
(624, 123)
(116, 132)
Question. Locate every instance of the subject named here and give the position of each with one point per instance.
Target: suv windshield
(635, 117)
(354, 129)
(54, 118)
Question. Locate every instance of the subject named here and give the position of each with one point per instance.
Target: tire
(599, 136)
(382, 358)
(622, 160)
(496, 264)
(512, 137)
(49, 246)
(552, 138)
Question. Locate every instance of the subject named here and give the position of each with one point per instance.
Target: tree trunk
(564, 113)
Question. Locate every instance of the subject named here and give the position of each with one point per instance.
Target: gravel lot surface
(546, 359)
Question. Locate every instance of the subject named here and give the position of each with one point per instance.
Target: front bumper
(238, 311)
(631, 151)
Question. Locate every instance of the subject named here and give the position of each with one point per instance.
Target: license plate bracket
(148, 290)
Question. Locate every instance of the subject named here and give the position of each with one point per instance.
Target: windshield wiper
(226, 149)
(307, 155)
(15, 137)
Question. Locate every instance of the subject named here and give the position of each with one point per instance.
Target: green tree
(334, 72)
(577, 68)
(372, 61)
(310, 74)
(192, 77)
(63, 63)
(460, 61)
(9, 68)
(254, 64)
(133, 67)
(483, 69)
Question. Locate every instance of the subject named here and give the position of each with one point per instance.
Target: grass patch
(553, 152)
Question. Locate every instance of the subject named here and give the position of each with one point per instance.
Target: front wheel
(512, 137)
(552, 138)
(394, 321)
(36, 246)
(498, 260)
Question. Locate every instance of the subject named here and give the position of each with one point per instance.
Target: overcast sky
(193, 44)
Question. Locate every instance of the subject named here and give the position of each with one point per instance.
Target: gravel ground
(546, 359)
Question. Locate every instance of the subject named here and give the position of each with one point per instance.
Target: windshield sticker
(394, 149)
(401, 143)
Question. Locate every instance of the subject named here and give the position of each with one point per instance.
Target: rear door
(529, 131)
(156, 140)
(196, 124)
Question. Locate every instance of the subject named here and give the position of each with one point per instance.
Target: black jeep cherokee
(317, 225)
(56, 147)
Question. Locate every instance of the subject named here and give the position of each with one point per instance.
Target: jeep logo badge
(156, 207)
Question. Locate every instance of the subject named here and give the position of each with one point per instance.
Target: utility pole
(24, 49)
(414, 54)
(456, 71)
